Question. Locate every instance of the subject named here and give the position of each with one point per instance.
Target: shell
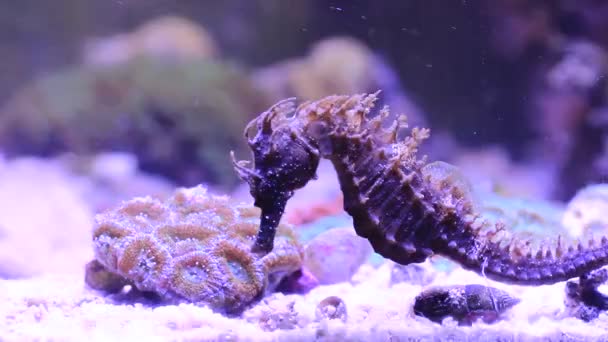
(464, 303)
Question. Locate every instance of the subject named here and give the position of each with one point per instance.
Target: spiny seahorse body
(407, 208)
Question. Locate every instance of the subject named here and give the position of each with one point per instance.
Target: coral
(336, 65)
(526, 216)
(586, 212)
(327, 71)
(580, 66)
(464, 303)
(335, 255)
(168, 37)
(177, 118)
(301, 281)
(583, 300)
(113, 177)
(572, 102)
(64, 200)
(194, 247)
(408, 208)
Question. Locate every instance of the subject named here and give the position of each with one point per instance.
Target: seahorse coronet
(408, 208)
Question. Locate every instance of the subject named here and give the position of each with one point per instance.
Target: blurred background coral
(528, 76)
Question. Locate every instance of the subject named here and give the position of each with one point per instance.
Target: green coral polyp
(195, 277)
(238, 271)
(145, 261)
(111, 230)
(187, 246)
(243, 231)
(149, 208)
(106, 238)
(106, 251)
(175, 233)
(194, 247)
(239, 264)
(249, 212)
(280, 262)
(194, 274)
(215, 206)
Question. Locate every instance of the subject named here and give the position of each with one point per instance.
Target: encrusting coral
(195, 247)
(408, 208)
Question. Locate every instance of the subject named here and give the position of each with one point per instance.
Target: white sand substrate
(61, 308)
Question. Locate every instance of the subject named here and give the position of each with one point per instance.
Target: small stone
(335, 255)
(331, 308)
(272, 314)
(99, 278)
(300, 282)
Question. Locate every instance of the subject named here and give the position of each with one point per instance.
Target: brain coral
(194, 247)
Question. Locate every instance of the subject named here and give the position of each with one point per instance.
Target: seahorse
(408, 208)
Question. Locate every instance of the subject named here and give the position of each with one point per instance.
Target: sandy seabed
(61, 308)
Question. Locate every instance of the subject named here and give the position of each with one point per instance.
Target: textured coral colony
(194, 247)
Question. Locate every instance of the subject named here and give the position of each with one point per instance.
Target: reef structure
(408, 208)
(194, 247)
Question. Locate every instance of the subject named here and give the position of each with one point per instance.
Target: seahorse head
(284, 160)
